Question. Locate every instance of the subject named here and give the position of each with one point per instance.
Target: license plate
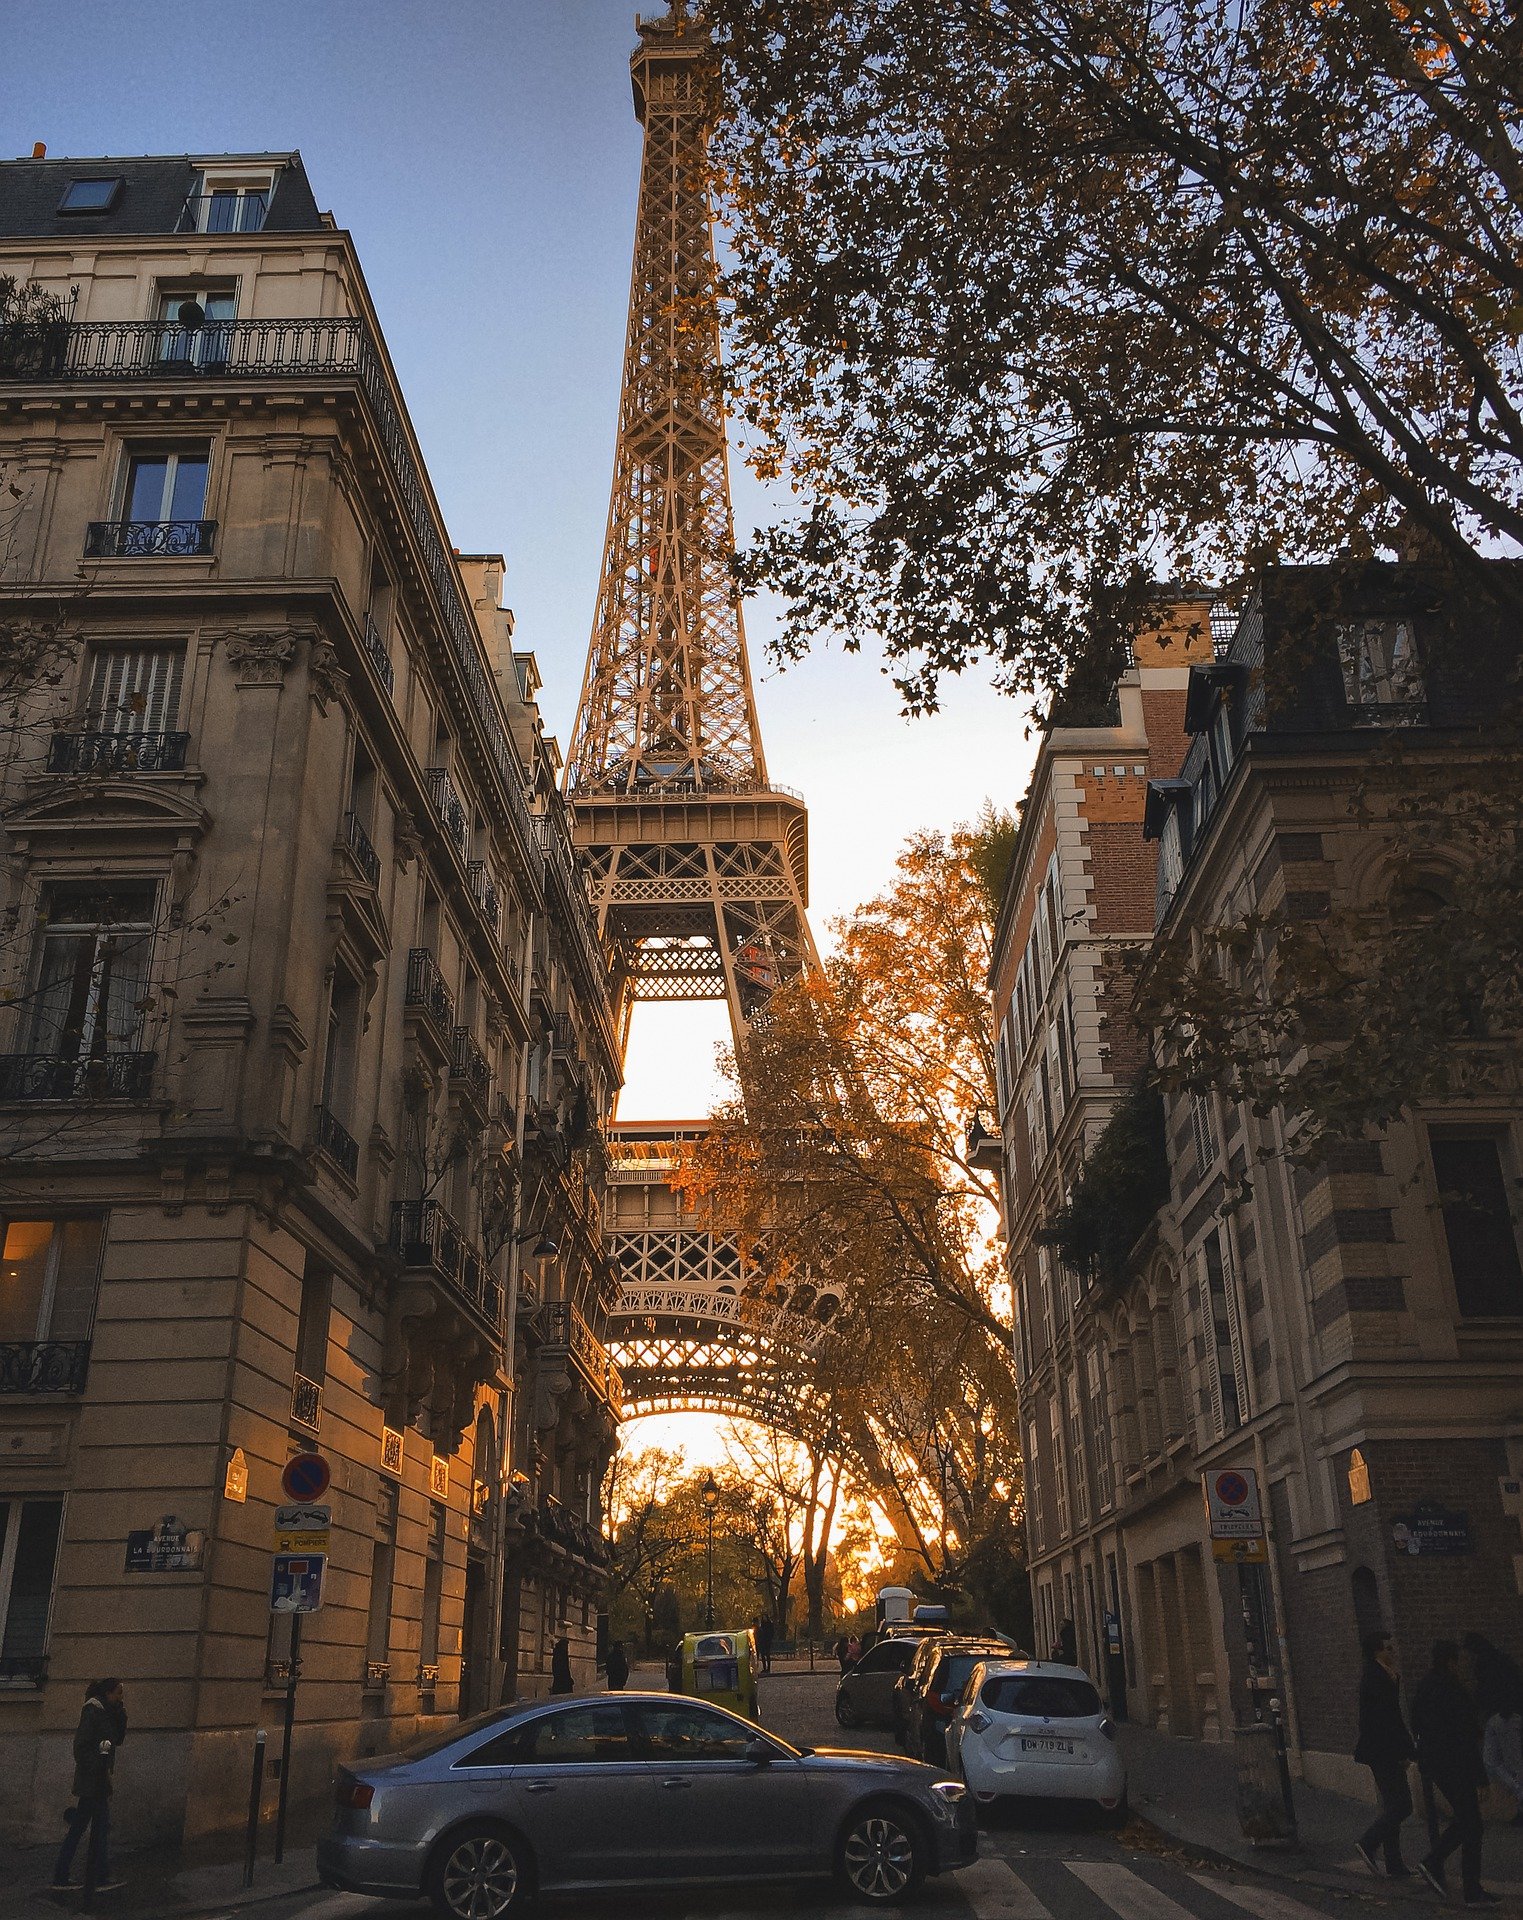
(1046, 1746)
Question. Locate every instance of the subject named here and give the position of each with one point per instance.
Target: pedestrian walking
(1448, 1730)
(1065, 1649)
(618, 1665)
(1502, 1753)
(853, 1650)
(765, 1632)
(102, 1729)
(843, 1653)
(560, 1666)
(1495, 1678)
(1387, 1748)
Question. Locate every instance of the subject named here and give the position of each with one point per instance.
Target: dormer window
(228, 203)
(91, 196)
(1382, 669)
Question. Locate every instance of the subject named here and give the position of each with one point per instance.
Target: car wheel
(479, 1873)
(846, 1713)
(881, 1856)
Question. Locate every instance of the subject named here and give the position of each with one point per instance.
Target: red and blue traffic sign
(307, 1477)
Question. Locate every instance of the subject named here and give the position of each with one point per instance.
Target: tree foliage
(1032, 302)
(1122, 1185)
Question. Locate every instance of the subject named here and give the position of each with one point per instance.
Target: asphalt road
(1049, 1865)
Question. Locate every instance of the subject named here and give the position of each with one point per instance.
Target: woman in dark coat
(1387, 1749)
(1448, 1730)
(618, 1665)
(560, 1666)
(102, 1729)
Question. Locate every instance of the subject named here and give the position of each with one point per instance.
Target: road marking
(1127, 1893)
(995, 1891)
(1263, 1901)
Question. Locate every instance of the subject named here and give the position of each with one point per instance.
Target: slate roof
(154, 191)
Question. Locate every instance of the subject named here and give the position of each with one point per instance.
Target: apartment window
(90, 196)
(163, 487)
(1479, 1227)
(1382, 669)
(433, 1593)
(196, 324)
(1034, 1488)
(1203, 1128)
(226, 205)
(383, 1555)
(341, 1044)
(313, 1318)
(1227, 1379)
(1076, 1452)
(29, 1532)
(92, 971)
(48, 1274)
(1099, 1426)
(135, 689)
(1059, 1474)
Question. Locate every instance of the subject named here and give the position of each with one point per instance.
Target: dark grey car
(633, 1790)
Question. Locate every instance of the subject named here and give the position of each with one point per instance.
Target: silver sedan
(637, 1790)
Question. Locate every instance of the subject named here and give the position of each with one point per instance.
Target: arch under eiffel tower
(697, 860)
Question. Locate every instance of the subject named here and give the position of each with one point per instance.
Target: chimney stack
(39, 149)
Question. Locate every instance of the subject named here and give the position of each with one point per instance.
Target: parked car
(632, 1790)
(926, 1696)
(865, 1693)
(1033, 1727)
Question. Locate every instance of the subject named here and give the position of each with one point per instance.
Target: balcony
(95, 350)
(149, 539)
(224, 212)
(357, 840)
(44, 1366)
(468, 1064)
(449, 808)
(484, 893)
(306, 1402)
(564, 1327)
(335, 1140)
(51, 1076)
(376, 654)
(426, 988)
(429, 1238)
(118, 752)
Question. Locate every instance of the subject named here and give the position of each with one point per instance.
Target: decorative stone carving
(260, 659)
(325, 677)
(406, 840)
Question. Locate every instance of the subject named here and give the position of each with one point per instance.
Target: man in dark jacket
(618, 1665)
(1386, 1748)
(1448, 1730)
(765, 1634)
(560, 1666)
(102, 1729)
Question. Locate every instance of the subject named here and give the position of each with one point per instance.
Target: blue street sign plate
(296, 1582)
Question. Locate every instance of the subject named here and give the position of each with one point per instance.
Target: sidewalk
(1187, 1790)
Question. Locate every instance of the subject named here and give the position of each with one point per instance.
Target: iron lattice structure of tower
(698, 863)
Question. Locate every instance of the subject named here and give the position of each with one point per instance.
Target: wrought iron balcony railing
(149, 539)
(449, 807)
(359, 844)
(426, 1236)
(484, 893)
(576, 923)
(224, 213)
(426, 988)
(134, 350)
(377, 655)
(44, 1366)
(51, 1076)
(118, 752)
(306, 1402)
(468, 1063)
(563, 1326)
(337, 1142)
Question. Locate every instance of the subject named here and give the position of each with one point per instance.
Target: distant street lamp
(710, 1495)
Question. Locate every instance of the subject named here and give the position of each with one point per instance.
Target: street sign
(296, 1582)
(302, 1528)
(1243, 1552)
(170, 1547)
(1232, 1504)
(1431, 1529)
(307, 1476)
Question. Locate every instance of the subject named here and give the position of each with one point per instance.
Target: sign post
(296, 1588)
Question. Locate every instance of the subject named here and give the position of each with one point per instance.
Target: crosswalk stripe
(1263, 1901)
(1127, 1893)
(995, 1891)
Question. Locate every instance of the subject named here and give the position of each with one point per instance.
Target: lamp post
(710, 1496)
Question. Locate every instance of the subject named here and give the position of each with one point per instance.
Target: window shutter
(1213, 1363)
(136, 690)
(1235, 1326)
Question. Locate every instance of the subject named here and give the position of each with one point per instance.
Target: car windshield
(1048, 1696)
(954, 1670)
(431, 1743)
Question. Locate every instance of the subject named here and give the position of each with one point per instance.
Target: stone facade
(299, 983)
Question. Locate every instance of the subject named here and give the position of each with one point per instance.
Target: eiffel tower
(696, 860)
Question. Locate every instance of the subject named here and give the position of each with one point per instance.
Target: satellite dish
(190, 314)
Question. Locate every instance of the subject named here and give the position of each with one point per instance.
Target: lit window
(90, 196)
(47, 1279)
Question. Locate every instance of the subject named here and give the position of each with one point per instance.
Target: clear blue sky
(485, 157)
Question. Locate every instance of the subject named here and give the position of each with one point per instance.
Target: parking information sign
(302, 1528)
(1234, 1515)
(296, 1582)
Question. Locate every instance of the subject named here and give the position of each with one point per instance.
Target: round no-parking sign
(306, 1477)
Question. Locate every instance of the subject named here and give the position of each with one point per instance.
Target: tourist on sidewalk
(1448, 1730)
(1386, 1747)
(102, 1729)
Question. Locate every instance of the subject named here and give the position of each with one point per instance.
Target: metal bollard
(256, 1793)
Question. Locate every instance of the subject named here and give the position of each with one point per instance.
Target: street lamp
(710, 1495)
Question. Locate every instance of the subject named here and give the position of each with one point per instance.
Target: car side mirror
(758, 1753)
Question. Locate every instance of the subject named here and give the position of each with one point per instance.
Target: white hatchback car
(1031, 1727)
